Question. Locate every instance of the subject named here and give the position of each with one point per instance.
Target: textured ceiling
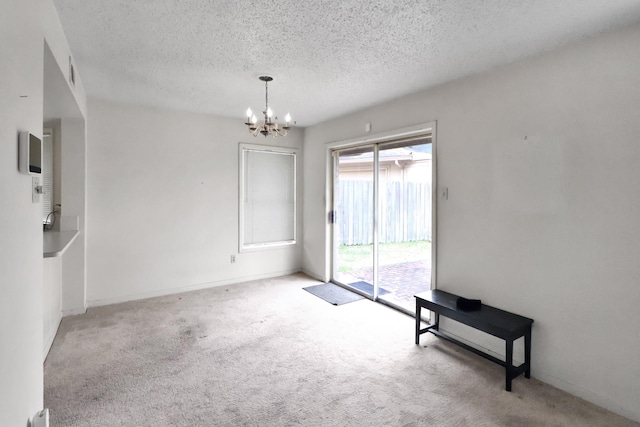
(327, 57)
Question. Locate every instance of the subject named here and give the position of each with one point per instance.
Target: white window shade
(267, 196)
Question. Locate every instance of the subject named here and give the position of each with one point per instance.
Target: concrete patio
(402, 280)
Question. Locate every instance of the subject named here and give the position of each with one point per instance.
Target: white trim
(603, 401)
(188, 288)
(314, 276)
(74, 311)
(242, 147)
(434, 205)
(376, 220)
(49, 340)
(333, 255)
(261, 246)
(406, 132)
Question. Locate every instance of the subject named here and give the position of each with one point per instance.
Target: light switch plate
(444, 192)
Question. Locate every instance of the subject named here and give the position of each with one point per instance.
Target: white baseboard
(74, 311)
(580, 392)
(188, 288)
(312, 275)
(589, 396)
(49, 340)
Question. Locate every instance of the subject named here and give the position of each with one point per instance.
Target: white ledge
(56, 242)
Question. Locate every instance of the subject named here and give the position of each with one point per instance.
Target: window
(267, 196)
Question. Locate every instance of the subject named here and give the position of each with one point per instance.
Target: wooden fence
(405, 213)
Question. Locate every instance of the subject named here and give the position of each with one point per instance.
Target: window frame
(242, 148)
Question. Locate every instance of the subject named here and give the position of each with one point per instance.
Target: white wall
(21, 263)
(163, 203)
(541, 161)
(63, 115)
(52, 301)
(20, 221)
(73, 199)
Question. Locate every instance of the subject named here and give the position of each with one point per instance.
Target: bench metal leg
(419, 330)
(527, 353)
(509, 363)
(418, 316)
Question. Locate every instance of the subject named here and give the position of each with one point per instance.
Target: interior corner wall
(24, 26)
(163, 203)
(541, 161)
(73, 200)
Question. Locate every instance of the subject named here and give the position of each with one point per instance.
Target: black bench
(494, 321)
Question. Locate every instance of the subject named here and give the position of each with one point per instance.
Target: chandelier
(269, 124)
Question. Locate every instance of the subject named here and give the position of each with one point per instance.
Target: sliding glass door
(405, 222)
(383, 220)
(353, 217)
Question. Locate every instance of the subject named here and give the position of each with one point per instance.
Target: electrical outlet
(233, 259)
(36, 189)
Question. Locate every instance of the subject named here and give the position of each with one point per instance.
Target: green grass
(357, 257)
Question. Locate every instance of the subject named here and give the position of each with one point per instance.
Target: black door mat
(333, 294)
(368, 288)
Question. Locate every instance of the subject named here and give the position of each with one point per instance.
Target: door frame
(415, 131)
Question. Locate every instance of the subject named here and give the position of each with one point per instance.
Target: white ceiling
(327, 57)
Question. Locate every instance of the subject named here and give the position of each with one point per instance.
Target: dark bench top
(491, 320)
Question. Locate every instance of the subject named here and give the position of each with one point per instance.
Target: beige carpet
(267, 353)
